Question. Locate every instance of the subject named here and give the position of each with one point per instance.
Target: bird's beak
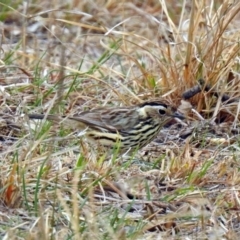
(178, 115)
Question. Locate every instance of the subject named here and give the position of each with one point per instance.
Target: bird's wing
(113, 120)
(101, 119)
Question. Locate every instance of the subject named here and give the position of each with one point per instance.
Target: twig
(202, 86)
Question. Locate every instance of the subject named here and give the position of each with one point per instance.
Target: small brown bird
(132, 127)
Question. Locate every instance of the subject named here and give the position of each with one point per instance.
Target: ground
(68, 57)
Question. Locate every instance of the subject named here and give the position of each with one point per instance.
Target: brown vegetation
(65, 57)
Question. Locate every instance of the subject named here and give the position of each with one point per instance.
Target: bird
(129, 128)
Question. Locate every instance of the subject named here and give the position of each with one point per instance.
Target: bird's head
(158, 111)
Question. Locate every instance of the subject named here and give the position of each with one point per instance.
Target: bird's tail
(43, 116)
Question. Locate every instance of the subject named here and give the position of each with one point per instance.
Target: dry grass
(66, 57)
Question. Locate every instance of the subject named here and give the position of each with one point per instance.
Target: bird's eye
(162, 112)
